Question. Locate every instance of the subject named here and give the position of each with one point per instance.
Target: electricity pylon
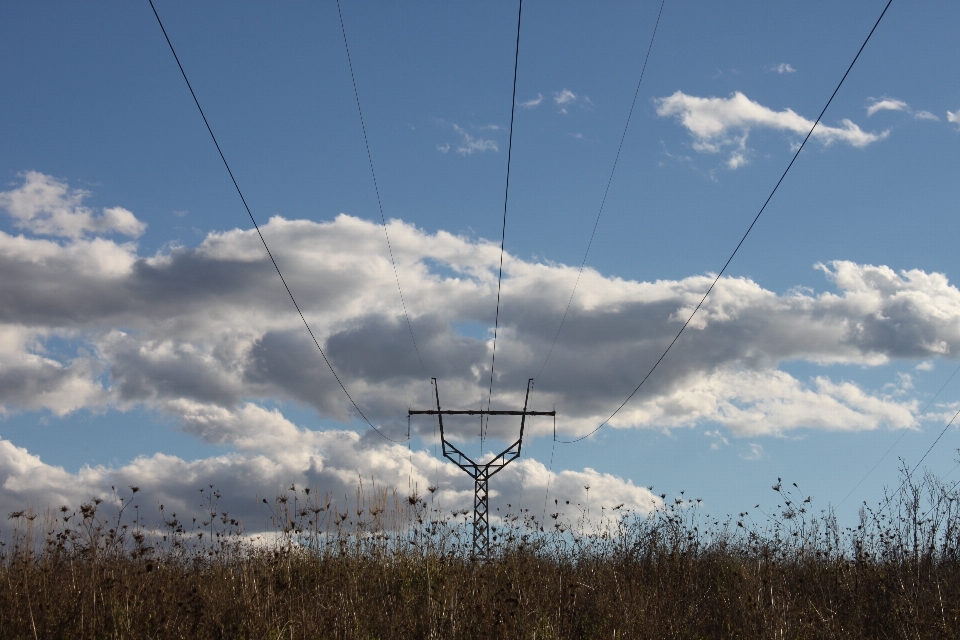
(481, 472)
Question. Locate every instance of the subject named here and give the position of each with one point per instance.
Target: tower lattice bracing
(481, 472)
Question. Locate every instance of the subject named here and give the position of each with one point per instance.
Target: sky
(146, 339)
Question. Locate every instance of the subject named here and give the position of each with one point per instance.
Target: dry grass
(393, 567)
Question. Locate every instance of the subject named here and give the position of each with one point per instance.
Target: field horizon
(389, 565)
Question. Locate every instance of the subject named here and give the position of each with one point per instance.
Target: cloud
(954, 117)
(783, 67)
(892, 104)
(469, 144)
(719, 441)
(31, 379)
(566, 98)
(45, 206)
(206, 337)
(736, 160)
(738, 157)
(165, 335)
(717, 123)
(443, 148)
(331, 462)
(535, 102)
(887, 104)
(755, 452)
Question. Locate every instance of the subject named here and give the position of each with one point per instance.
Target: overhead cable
(605, 191)
(947, 492)
(919, 462)
(257, 227)
(903, 432)
(743, 239)
(923, 457)
(373, 174)
(503, 233)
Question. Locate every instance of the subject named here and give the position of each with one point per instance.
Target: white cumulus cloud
(333, 463)
(892, 104)
(887, 104)
(718, 123)
(46, 206)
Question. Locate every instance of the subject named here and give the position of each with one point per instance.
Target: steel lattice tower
(481, 472)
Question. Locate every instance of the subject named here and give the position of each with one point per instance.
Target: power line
(506, 196)
(947, 426)
(947, 492)
(605, 191)
(917, 466)
(257, 227)
(373, 174)
(743, 239)
(903, 432)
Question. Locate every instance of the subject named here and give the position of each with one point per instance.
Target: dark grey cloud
(208, 337)
(213, 325)
(143, 372)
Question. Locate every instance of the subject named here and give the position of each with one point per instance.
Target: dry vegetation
(395, 567)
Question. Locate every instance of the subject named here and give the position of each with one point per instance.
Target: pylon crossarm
(459, 458)
(508, 455)
(477, 412)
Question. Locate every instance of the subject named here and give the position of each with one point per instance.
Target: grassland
(392, 566)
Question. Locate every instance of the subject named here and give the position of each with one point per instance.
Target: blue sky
(146, 340)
